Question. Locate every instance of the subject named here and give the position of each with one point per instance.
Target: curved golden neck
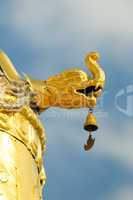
(92, 64)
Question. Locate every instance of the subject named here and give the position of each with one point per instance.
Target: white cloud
(116, 144)
(55, 21)
(125, 193)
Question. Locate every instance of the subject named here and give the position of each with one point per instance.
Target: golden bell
(90, 124)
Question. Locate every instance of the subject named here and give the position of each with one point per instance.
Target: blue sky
(44, 37)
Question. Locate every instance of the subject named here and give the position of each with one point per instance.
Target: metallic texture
(22, 136)
(18, 171)
(90, 123)
(89, 144)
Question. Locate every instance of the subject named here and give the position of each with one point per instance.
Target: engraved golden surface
(22, 136)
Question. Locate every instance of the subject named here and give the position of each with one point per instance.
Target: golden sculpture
(22, 136)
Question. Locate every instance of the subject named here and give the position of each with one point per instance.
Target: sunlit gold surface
(18, 171)
(62, 90)
(22, 136)
(90, 123)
